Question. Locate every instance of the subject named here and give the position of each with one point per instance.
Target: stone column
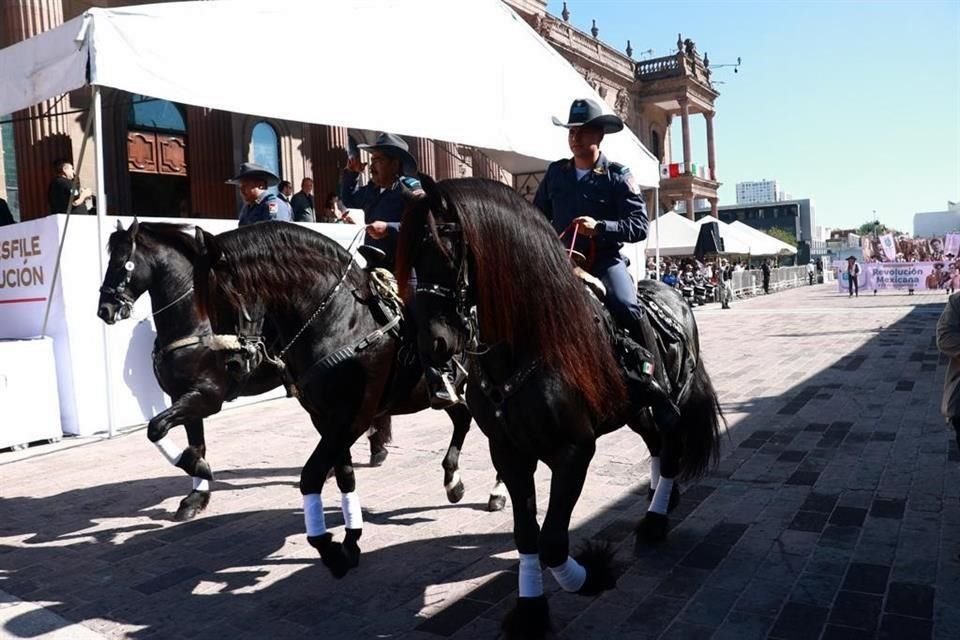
(484, 167)
(714, 208)
(41, 132)
(328, 150)
(446, 161)
(423, 150)
(210, 163)
(690, 208)
(711, 150)
(685, 122)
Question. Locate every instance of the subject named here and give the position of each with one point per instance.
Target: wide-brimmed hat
(395, 147)
(851, 258)
(584, 112)
(251, 170)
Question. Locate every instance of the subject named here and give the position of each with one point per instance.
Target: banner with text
(896, 275)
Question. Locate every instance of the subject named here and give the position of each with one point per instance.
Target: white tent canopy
(733, 240)
(675, 234)
(467, 72)
(760, 243)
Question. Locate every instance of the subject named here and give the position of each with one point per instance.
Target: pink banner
(919, 276)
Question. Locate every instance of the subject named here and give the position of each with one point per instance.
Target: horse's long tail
(701, 418)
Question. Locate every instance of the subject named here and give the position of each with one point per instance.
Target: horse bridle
(119, 293)
(460, 293)
(125, 301)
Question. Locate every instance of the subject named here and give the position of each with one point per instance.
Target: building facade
(757, 192)
(937, 223)
(168, 159)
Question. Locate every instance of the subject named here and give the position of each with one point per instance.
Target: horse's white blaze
(169, 450)
(531, 576)
(654, 471)
(313, 514)
(453, 482)
(570, 575)
(661, 497)
(350, 505)
(200, 484)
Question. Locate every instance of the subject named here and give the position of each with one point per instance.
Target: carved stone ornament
(622, 103)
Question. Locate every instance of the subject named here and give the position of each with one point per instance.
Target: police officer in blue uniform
(260, 205)
(601, 200)
(392, 171)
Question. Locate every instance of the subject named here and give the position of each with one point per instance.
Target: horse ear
(119, 226)
(207, 245)
(134, 228)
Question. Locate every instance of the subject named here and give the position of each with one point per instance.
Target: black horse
(190, 360)
(545, 382)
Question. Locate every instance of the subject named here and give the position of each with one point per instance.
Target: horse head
(432, 245)
(127, 277)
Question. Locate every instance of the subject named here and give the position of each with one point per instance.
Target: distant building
(937, 223)
(795, 216)
(757, 192)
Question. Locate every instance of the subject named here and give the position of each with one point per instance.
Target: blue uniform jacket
(384, 205)
(270, 207)
(609, 194)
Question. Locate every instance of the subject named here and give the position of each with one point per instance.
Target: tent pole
(101, 213)
(656, 209)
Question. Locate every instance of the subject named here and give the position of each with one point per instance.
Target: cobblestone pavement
(833, 513)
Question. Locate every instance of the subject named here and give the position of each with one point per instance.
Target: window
(655, 144)
(153, 114)
(265, 147)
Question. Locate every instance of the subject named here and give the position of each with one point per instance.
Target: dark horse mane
(275, 264)
(526, 292)
(153, 234)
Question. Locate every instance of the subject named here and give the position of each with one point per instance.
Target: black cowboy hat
(851, 258)
(395, 147)
(584, 112)
(251, 170)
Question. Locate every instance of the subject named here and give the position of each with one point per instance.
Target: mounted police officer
(260, 205)
(601, 201)
(383, 200)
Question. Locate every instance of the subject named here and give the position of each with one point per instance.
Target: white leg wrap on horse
(654, 471)
(570, 575)
(499, 490)
(454, 481)
(313, 514)
(661, 497)
(352, 516)
(201, 484)
(531, 576)
(169, 450)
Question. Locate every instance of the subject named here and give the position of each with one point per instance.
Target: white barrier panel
(28, 392)
(27, 256)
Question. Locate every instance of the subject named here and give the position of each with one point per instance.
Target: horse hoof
(331, 554)
(455, 493)
(496, 503)
(653, 528)
(528, 620)
(194, 465)
(192, 506)
(597, 558)
(378, 458)
(351, 550)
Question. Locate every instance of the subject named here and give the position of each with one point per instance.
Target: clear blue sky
(853, 104)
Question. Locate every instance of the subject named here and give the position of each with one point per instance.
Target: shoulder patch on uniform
(272, 206)
(630, 181)
(616, 167)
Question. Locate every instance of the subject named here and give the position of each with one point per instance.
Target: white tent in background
(733, 240)
(496, 93)
(676, 235)
(761, 243)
